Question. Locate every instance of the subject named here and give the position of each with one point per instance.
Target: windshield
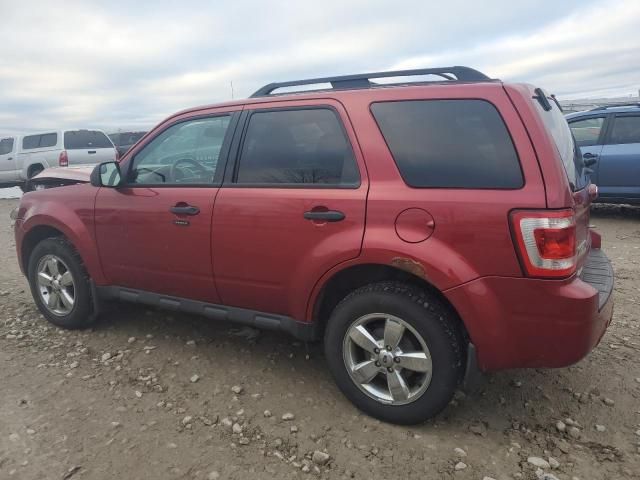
(565, 143)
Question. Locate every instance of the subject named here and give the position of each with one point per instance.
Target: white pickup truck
(23, 157)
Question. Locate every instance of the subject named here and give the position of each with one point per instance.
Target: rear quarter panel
(471, 236)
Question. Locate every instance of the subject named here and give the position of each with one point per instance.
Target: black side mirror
(106, 174)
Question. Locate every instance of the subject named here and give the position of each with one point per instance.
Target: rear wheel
(60, 284)
(395, 352)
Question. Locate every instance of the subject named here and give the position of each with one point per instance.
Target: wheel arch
(352, 277)
(40, 226)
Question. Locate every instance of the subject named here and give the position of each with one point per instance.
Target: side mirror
(106, 174)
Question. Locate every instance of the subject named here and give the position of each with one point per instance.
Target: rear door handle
(184, 209)
(327, 216)
(90, 152)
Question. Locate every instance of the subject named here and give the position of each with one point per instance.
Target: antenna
(231, 89)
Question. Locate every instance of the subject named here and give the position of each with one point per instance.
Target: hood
(76, 174)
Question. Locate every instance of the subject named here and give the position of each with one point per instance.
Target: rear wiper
(542, 99)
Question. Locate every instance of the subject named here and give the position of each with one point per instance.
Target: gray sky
(125, 64)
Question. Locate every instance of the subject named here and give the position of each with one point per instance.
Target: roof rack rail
(615, 105)
(362, 80)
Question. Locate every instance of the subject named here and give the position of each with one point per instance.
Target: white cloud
(123, 64)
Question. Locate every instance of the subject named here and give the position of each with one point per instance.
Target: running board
(253, 318)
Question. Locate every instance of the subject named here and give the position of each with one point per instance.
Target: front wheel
(395, 351)
(60, 284)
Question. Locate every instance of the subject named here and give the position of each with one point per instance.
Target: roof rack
(615, 105)
(363, 80)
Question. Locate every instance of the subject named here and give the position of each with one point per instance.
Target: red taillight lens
(63, 159)
(546, 242)
(555, 243)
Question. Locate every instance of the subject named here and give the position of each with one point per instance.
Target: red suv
(425, 230)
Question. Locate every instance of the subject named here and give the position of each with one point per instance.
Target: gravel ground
(151, 394)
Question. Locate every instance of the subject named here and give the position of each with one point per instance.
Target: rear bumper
(525, 322)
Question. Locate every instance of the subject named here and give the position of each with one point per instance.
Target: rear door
(8, 172)
(88, 147)
(619, 164)
(292, 207)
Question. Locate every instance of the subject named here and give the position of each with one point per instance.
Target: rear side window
(297, 147)
(39, 141)
(625, 130)
(6, 146)
(449, 143)
(587, 131)
(86, 139)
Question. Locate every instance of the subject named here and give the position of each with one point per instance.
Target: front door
(292, 209)
(619, 164)
(154, 232)
(8, 172)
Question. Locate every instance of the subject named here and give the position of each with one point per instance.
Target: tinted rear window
(449, 143)
(569, 152)
(6, 146)
(86, 139)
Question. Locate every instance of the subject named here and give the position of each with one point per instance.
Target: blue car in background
(609, 138)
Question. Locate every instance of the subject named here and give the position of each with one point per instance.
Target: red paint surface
(251, 247)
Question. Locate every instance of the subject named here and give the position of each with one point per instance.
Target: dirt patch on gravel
(153, 394)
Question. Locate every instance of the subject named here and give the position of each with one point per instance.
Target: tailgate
(91, 156)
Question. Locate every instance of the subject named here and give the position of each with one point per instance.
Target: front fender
(71, 211)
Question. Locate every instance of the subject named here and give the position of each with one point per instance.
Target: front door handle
(325, 216)
(184, 209)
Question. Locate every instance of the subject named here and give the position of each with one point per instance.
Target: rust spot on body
(409, 265)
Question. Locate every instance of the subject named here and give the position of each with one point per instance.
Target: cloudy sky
(125, 64)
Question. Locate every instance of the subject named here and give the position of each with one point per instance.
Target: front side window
(6, 146)
(185, 153)
(449, 144)
(295, 147)
(86, 140)
(587, 131)
(625, 130)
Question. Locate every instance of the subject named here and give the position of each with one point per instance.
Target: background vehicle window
(449, 143)
(184, 153)
(6, 146)
(625, 130)
(31, 141)
(297, 147)
(48, 140)
(86, 139)
(587, 131)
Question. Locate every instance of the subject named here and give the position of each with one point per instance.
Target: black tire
(34, 170)
(80, 315)
(430, 318)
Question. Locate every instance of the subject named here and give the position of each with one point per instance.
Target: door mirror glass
(106, 174)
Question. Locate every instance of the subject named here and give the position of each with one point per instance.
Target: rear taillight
(63, 159)
(546, 242)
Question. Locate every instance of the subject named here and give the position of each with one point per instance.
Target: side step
(261, 320)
